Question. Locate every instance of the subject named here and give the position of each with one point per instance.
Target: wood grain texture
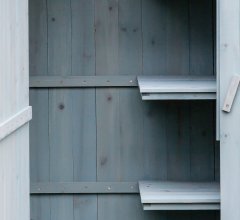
(76, 147)
(154, 26)
(59, 37)
(39, 151)
(109, 135)
(201, 37)
(39, 136)
(14, 96)
(82, 37)
(202, 137)
(155, 141)
(106, 36)
(177, 56)
(229, 54)
(133, 140)
(178, 141)
(14, 161)
(38, 37)
(73, 153)
(40, 208)
(130, 37)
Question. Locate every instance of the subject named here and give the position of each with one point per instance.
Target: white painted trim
(232, 91)
(15, 122)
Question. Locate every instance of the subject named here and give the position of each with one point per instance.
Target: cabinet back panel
(110, 134)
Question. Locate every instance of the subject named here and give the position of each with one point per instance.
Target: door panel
(228, 67)
(15, 112)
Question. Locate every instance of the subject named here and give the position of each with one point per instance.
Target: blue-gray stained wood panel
(110, 134)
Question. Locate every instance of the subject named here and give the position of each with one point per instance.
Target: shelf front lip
(179, 96)
(167, 77)
(196, 206)
(177, 84)
(169, 91)
(181, 201)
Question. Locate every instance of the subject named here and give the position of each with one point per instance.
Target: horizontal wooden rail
(82, 81)
(84, 188)
(15, 122)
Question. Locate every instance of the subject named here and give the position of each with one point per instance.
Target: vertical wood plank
(155, 140)
(130, 37)
(178, 141)
(85, 207)
(40, 208)
(127, 150)
(82, 120)
(62, 207)
(59, 37)
(83, 37)
(39, 151)
(61, 150)
(178, 37)
(60, 106)
(201, 20)
(39, 140)
(202, 135)
(154, 26)
(107, 48)
(108, 135)
(84, 150)
(38, 37)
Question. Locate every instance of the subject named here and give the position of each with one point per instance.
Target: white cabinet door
(228, 36)
(14, 111)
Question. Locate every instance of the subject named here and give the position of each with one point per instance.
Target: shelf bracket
(232, 91)
(15, 122)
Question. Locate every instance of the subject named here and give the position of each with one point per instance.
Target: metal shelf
(177, 87)
(158, 195)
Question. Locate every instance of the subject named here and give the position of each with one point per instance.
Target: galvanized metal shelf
(158, 195)
(177, 87)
